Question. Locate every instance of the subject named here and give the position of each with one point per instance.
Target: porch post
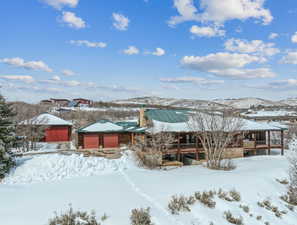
(269, 145)
(178, 147)
(282, 141)
(197, 153)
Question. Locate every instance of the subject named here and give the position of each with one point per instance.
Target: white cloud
(273, 36)
(217, 61)
(68, 73)
(88, 43)
(23, 78)
(71, 83)
(72, 20)
(245, 73)
(218, 11)
(294, 38)
(254, 46)
(206, 31)
(56, 78)
(30, 65)
(227, 65)
(121, 22)
(131, 50)
(59, 4)
(159, 52)
(290, 58)
(195, 80)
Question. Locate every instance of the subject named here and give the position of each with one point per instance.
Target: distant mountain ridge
(234, 103)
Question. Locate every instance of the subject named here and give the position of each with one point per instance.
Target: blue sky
(111, 49)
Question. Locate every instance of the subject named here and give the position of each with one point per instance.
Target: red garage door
(57, 134)
(91, 141)
(111, 140)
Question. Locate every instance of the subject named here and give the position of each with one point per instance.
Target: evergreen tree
(7, 136)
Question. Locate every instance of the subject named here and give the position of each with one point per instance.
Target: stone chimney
(142, 120)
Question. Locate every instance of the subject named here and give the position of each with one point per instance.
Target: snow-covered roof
(46, 119)
(102, 126)
(253, 125)
(248, 125)
(264, 113)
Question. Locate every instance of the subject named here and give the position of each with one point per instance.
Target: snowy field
(43, 184)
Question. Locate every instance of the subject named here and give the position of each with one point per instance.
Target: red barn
(56, 129)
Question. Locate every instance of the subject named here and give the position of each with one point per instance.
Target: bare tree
(216, 132)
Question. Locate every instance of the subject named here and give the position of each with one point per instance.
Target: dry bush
(179, 204)
(206, 198)
(245, 208)
(282, 181)
(230, 196)
(149, 160)
(141, 217)
(231, 219)
(72, 217)
(259, 217)
(290, 207)
(235, 195)
(224, 195)
(266, 204)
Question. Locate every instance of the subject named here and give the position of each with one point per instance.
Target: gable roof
(101, 126)
(46, 119)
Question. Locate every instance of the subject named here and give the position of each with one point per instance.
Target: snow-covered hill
(246, 103)
(289, 101)
(172, 102)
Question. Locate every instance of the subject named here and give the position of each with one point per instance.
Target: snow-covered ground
(38, 187)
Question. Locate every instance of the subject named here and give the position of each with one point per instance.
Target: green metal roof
(167, 115)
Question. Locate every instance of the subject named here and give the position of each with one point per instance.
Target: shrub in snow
(206, 198)
(72, 217)
(235, 195)
(178, 204)
(149, 160)
(266, 204)
(282, 181)
(259, 217)
(231, 219)
(6, 137)
(224, 195)
(245, 208)
(141, 217)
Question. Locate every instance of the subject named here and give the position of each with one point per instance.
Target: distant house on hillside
(46, 102)
(83, 102)
(56, 129)
(60, 101)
